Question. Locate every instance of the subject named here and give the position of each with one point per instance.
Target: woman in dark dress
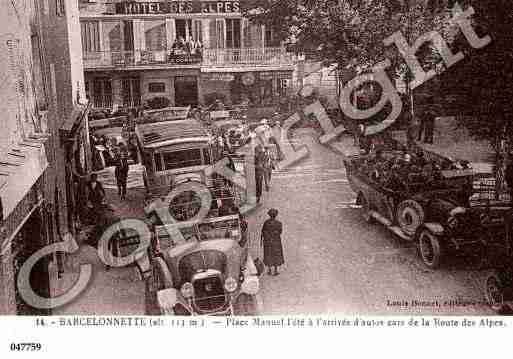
(271, 242)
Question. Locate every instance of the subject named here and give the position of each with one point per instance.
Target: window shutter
(246, 33)
(197, 30)
(212, 34)
(256, 36)
(220, 33)
(170, 32)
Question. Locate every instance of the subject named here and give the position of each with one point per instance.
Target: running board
(394, 229)
(398, 231)
(378, 217)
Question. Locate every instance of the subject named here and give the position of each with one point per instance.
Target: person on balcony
(198, 48)
(190, 46)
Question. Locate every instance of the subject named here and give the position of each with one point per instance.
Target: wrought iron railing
(205, 57)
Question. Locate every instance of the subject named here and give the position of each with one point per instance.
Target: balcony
(209, 58)
(249, 56)
(120, 59)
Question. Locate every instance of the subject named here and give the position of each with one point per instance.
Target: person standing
(121, 173)
(271, 242)
(259, 170)
(421, 126)
(268, 166)
(95, 193)
(429, 127)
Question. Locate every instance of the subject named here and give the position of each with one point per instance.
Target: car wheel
(362, 201)
(410, 216)
(495, 294)
(430, 249)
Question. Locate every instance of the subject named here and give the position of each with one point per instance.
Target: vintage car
(166, 114)
(498, 276)
(173, 152)
(435, 214)
(208, 272)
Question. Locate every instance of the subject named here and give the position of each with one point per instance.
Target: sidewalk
(119, 291)
(456, 143)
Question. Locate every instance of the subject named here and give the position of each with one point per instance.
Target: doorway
(186, 91)
(28, 240)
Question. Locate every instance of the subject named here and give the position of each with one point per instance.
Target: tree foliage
(482, 84)
(347, 32)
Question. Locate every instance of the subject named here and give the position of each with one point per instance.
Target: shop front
(75, 137)
(256, 88)
(25, 227)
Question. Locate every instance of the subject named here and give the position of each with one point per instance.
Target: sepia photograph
(273, 163)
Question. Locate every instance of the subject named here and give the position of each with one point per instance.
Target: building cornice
(85, 17)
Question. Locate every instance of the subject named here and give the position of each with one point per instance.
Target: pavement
(118, 291)
(135, 177)
(337, 263)
(453, 142)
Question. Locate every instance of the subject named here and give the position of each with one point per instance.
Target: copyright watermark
(246, 182)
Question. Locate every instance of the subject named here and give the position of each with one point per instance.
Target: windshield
(226, 229)
(181, 159)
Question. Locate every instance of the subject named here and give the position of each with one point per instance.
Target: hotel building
(130, 57)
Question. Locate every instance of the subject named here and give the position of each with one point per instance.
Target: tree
(350, 33)
(482, 85)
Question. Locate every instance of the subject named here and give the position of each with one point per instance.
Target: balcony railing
(208, 57)
(138, 58)
(248, 56)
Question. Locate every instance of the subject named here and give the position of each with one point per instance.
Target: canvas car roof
(158, 134)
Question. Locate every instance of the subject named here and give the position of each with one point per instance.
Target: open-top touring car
(435, 211)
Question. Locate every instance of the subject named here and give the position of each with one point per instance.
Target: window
(158, 162)
(216, 29)
(181, 159)
(101, 92)
(59, 7)
(128, 34)
(233, 33)
(17, 65)
(189, 29)
(283, 85)
(39, 79)
(155, 35)
(90, 36)
(131, 92)
(197, 33)
(157, 87)
(183, 28)
(271, 40)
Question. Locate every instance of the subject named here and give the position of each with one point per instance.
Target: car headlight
(251, 285)
(230, 285)
(187, 290)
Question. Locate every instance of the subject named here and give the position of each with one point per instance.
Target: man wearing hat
(263, 132)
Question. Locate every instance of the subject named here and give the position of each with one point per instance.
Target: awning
(19, 171)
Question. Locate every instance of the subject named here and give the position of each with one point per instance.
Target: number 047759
(26, 347)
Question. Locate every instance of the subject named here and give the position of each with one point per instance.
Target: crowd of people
(187, 47)
(401, 170)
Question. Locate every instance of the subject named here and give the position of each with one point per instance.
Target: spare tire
(410, 216)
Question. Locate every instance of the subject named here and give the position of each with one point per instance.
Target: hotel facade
(130, 54)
